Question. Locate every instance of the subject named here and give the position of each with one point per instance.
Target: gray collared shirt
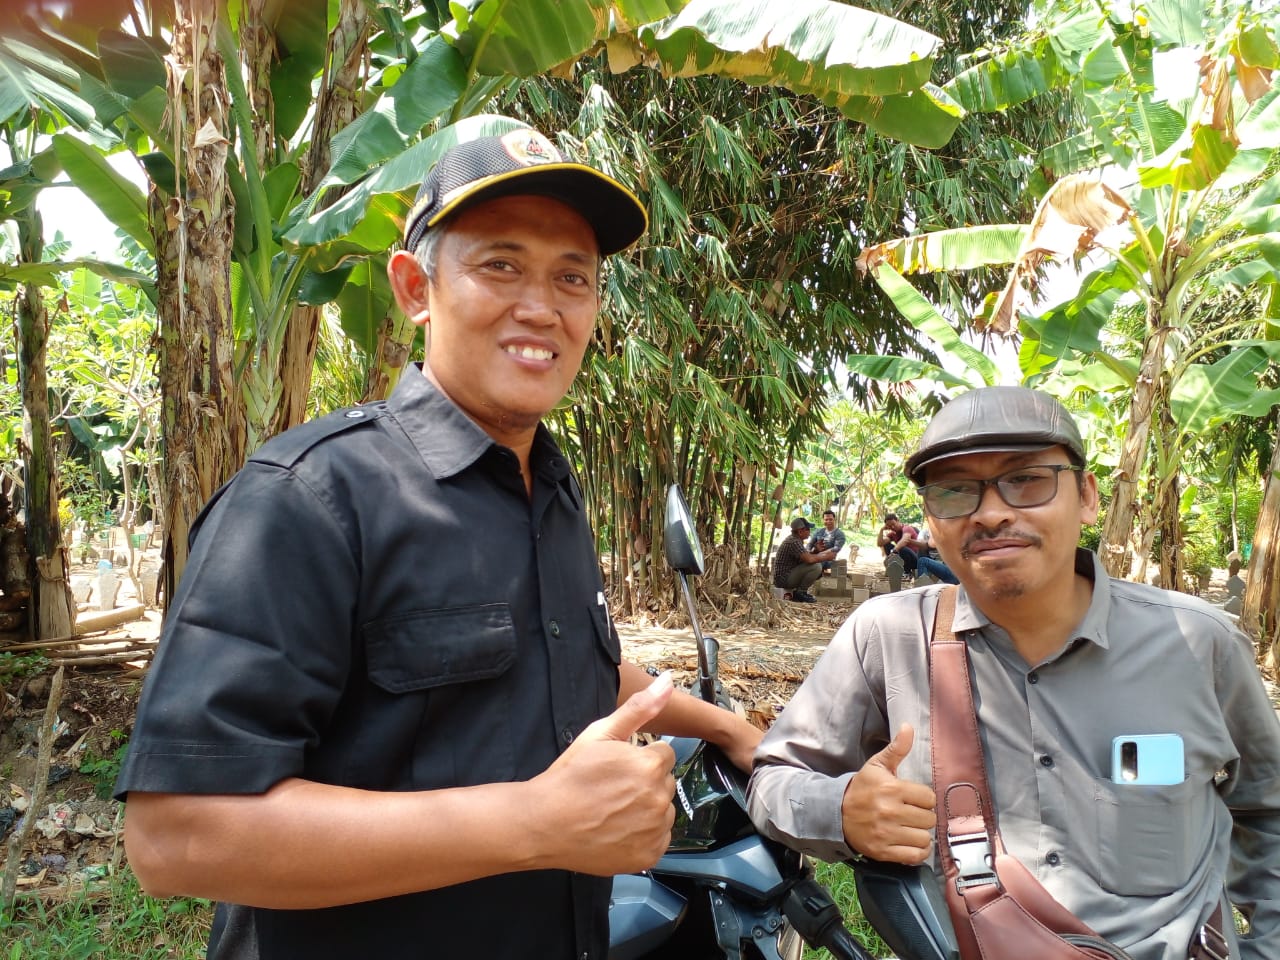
(1142, 865)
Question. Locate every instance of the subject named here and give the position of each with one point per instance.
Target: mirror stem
(706, 682)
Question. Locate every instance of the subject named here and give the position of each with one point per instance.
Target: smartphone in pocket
(1148, 758)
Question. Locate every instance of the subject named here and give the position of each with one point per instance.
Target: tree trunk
(1123, 509)
(1167, 503)
(202, 410)
(390, 355)
(336, 107)
(1261, 605)
(51, 610)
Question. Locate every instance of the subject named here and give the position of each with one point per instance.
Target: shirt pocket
(608, 657)
(1149, 838)
(444, 702)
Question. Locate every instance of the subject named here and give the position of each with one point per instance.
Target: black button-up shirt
(375, 601)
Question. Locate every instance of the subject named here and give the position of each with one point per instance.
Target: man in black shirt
(366, 738)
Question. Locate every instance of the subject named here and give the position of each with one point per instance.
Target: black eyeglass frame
(983, 484)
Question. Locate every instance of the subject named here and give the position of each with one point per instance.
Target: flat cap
(996, 420)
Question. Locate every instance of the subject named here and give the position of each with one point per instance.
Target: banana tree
(870, 67)
(208, 166)
(1200, 211)
(33, 98)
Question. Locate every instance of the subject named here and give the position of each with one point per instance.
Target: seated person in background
(829, 537)
(1235, 588)
(893, 531)
(794, 568)
(906, 542)
(927, 565)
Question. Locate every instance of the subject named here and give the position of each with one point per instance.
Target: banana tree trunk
(390, 355)
(1260, 611)
(1123, 509)
(336, 106)
(1166, 506)
(202, 410)
(51, 610)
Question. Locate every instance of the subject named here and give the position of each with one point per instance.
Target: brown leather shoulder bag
(999, 910)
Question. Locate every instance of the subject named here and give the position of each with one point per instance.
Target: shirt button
(1046, 761)
(1033, 677)
(1053, 859)
(567, 734)
(354, 414)
(554, 628)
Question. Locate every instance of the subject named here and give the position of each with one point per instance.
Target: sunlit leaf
(119, 199)
(1008, 78)
(962, 249)
(922, 315)
(901, 370)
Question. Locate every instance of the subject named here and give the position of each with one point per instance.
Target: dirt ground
(767, 648)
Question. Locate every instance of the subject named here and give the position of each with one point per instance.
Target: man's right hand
(607, 801)
(886, 818)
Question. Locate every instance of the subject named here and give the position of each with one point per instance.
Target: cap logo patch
(529, 148)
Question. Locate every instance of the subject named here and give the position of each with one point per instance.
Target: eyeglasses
(1020, 487)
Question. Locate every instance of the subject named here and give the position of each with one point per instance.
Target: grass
(114, 920)
(839, 880)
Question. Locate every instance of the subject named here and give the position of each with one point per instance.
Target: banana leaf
(1207, 394)
(921, 315)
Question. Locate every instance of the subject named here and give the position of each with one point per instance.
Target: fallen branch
(88, 622)
(145, 652)
(44, 755)
(47, 645)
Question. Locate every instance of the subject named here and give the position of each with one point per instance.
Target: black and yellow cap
(523, 161)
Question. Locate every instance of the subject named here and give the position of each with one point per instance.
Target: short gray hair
(428, 251)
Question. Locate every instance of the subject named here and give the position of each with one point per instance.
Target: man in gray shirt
(1064, 659)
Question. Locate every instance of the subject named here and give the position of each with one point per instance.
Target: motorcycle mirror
(679, 538)
(684, 554)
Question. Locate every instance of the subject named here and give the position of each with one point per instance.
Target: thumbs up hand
(605, 804)
(886, 818)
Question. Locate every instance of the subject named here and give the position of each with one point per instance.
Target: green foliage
(104, 769)
(125, 924)
(18, 666)
(838, 878)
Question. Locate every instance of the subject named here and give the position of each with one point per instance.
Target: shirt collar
(448, 440)
(1092, 628)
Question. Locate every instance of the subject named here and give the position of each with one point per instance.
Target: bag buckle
(1211, 944)
(972, 855)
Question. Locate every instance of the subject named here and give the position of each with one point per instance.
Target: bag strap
(969, 842)
(968, 837)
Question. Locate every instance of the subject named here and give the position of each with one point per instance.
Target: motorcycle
(722, 890)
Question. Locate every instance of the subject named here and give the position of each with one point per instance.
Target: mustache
(1030, 539)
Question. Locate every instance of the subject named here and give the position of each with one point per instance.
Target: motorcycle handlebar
(817, 919)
